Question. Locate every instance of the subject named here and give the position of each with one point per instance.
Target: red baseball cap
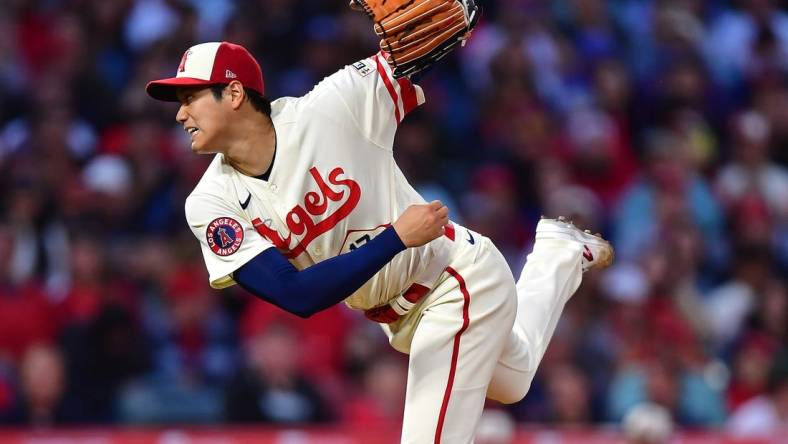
(208, 64)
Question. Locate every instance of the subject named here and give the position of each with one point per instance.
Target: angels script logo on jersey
(306, 219)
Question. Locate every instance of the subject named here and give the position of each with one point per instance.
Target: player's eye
(187, 99)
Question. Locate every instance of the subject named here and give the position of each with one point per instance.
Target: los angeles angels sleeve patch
(224, 236)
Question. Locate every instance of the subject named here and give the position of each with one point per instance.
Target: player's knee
(510, 395)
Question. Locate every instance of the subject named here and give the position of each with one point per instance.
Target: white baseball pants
(478, 335)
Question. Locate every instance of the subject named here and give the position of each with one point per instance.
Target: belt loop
(400, 306)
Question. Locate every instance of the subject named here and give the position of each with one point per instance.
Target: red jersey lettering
(300, 220)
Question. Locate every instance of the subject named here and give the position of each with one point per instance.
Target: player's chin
(199, 147)
(203, 149)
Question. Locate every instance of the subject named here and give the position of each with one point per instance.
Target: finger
(443, 211)
(436, 204)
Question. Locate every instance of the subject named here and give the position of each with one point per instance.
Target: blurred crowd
(662, 124)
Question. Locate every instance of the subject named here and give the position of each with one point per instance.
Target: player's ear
(237, 93)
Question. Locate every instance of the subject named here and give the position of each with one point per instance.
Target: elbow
(304, 313)
(304, 309)
(286, 304)
(292, 299)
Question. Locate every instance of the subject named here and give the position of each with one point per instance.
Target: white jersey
(333, 185)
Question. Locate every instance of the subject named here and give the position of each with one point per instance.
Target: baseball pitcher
(304, 206)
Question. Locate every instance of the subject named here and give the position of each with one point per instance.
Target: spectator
(752, 172)
(751, 365)
(728, 306)
(569, 396)
(648, 424)
(26, 315)
(44, 400)
(765, 415)
(690, 401)
(668, 188)
(102, 358)
(272, 387)
(381, 399)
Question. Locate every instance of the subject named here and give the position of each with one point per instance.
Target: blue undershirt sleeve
(272, 278)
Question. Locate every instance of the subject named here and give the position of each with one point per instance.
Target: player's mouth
(192, 131)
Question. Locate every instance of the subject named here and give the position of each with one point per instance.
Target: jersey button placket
(280, 211)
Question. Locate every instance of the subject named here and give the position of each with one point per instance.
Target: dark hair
(259, 102)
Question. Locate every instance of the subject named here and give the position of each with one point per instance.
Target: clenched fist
(420, 224)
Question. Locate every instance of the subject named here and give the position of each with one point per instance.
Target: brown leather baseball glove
(417, 33)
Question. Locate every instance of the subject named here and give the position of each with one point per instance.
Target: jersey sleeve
(376, 101)
(227, 238)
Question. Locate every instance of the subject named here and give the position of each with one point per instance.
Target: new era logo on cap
(209, 64)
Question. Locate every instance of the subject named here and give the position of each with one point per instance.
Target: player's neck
(253, 151)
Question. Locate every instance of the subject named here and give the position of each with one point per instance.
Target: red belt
(388, 313)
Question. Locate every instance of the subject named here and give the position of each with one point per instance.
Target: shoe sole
(568, 231)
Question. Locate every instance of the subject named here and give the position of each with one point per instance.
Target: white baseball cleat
(597, 252)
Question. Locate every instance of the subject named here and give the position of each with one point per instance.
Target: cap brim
(164, 89)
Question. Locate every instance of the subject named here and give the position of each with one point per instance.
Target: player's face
(204, 118)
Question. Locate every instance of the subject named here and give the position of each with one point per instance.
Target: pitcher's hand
(420, 224)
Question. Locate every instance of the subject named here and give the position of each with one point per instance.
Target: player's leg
(454, 351)
(552, 273)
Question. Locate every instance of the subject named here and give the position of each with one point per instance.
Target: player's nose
(181, 116)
